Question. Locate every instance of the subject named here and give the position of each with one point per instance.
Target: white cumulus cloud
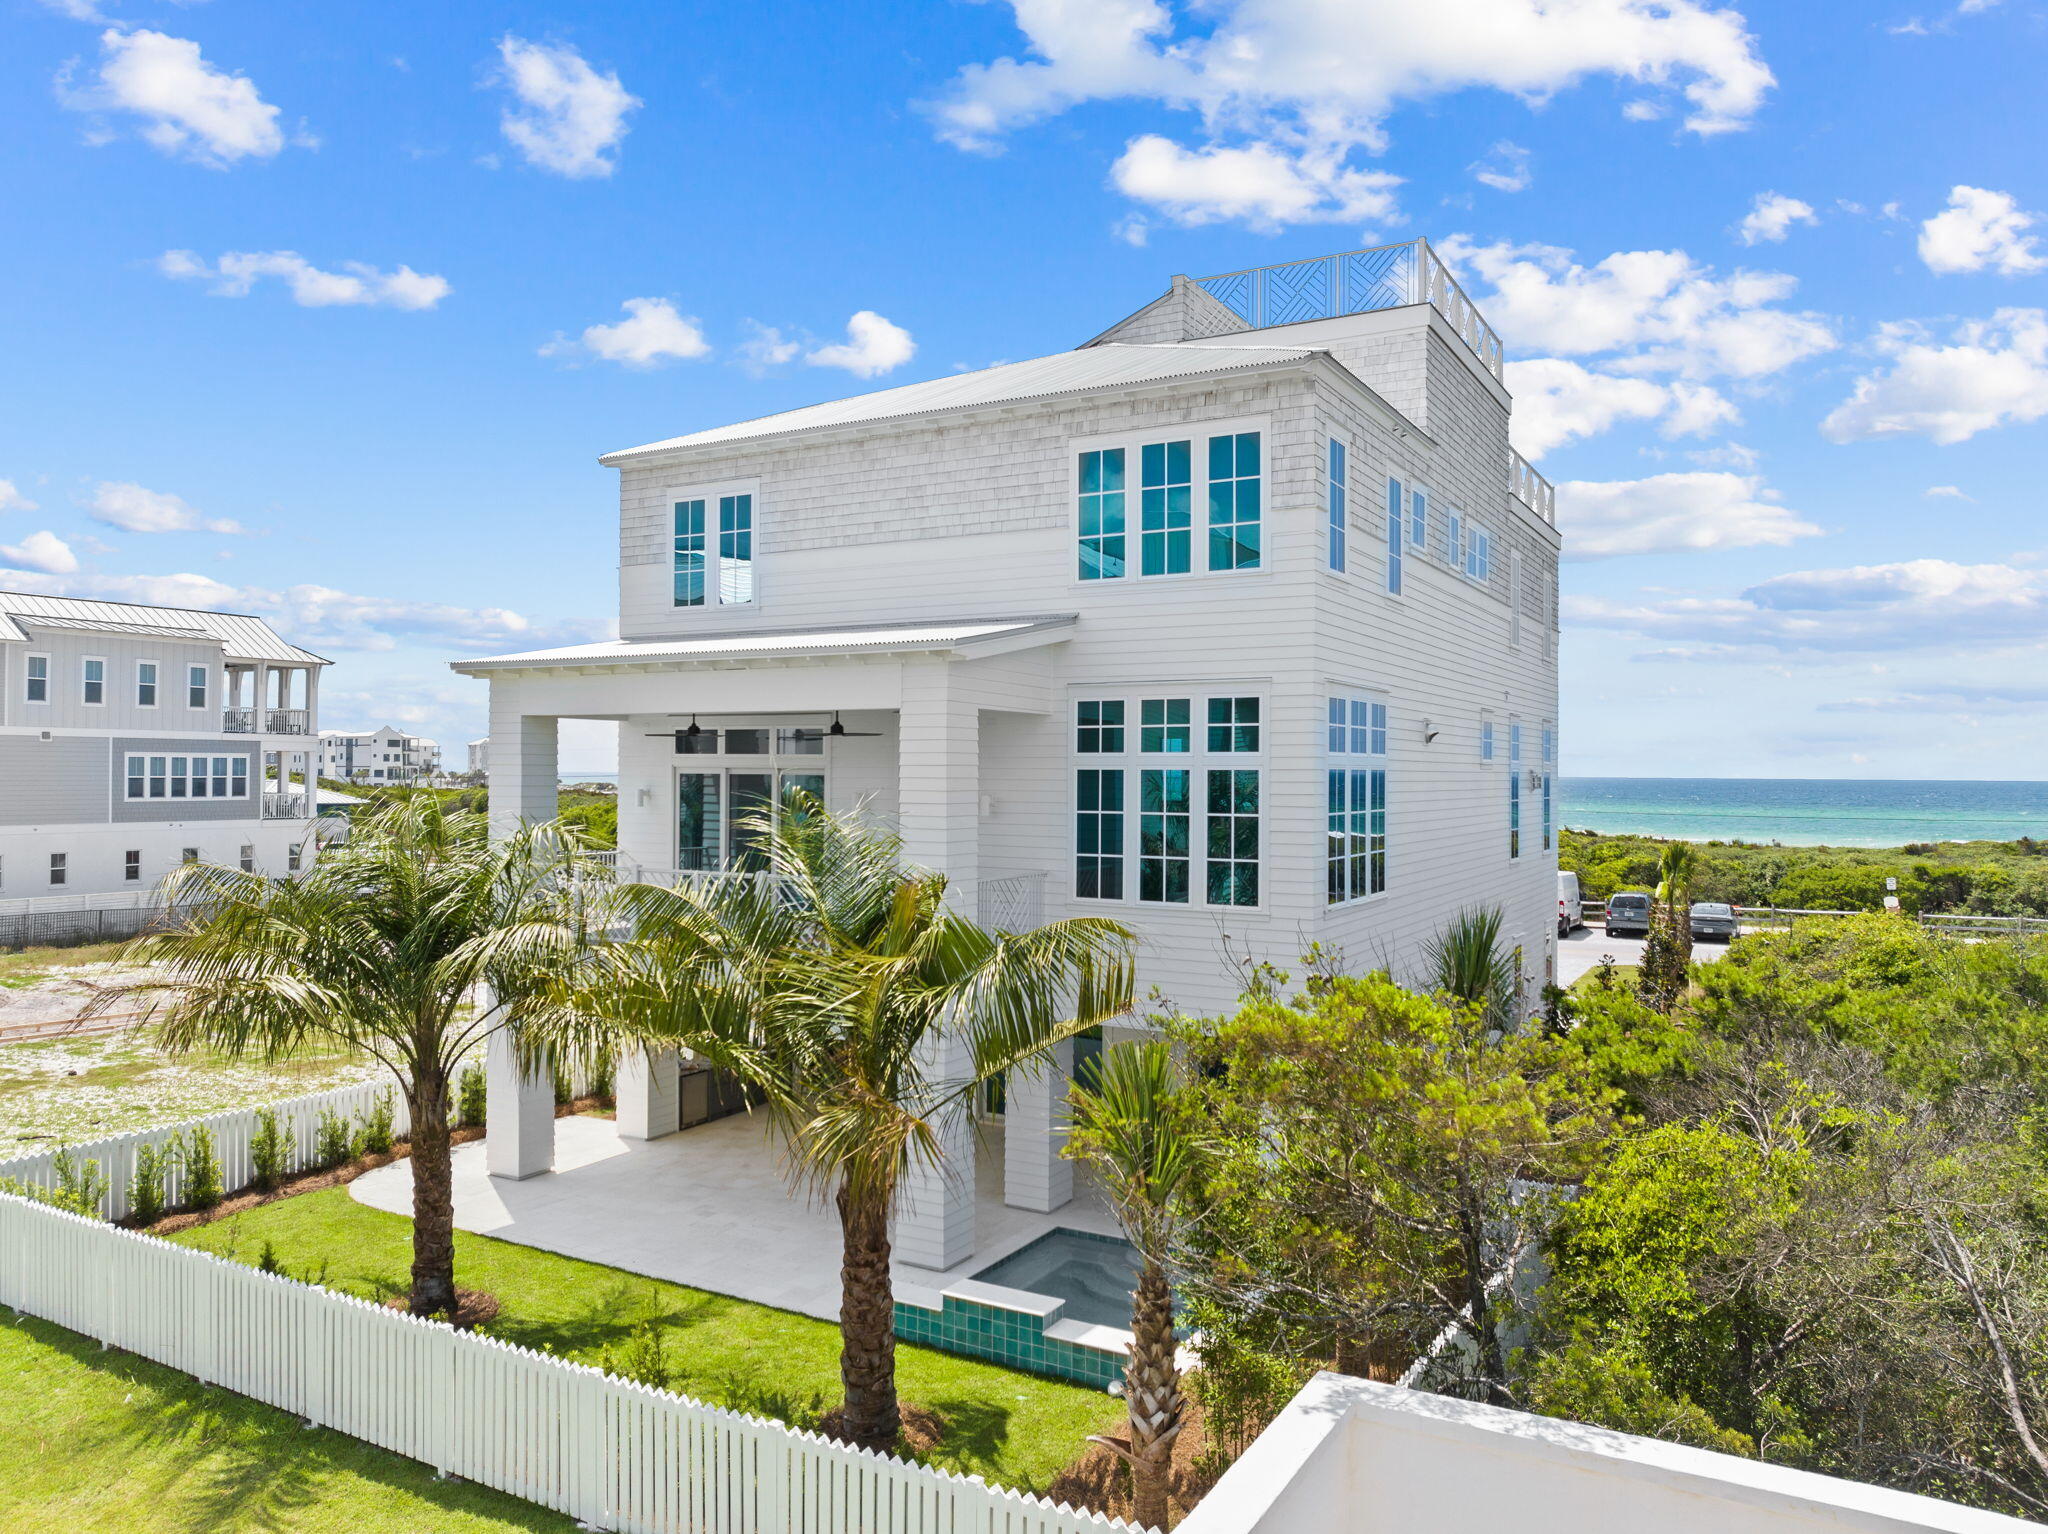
(1947, 492)
(1261, 185)
(11, 499)
(188, 108)
(137, 510)
(1771, 218)
(568, 118)
(1982, 231)
(43, 551)
(652, 333)
(236, 272)
(1505, 168)
(873, 346)
(766, 347)
(1308, 83)
(1991, 372)
(1672, 513)
(1557, 402)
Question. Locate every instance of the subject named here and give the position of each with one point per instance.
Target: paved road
(1582, 952)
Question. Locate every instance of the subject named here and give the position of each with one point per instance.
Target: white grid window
(36, 687)
(1356, 859)
(1339, 517)
(196, 678)
(167, 776)
(145, 684)
(94, 683)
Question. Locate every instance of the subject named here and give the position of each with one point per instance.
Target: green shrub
(81, 1185)
(602, 1073)
(272, 1150)
(375, 1136)
(199, 1166)
(335, 1140)
(146, 1197)
(565, 1089)
(1240, 1390)
(266, 1261)
(641, 1356)
(471, 1096)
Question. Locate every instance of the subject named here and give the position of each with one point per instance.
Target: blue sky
(326, 312)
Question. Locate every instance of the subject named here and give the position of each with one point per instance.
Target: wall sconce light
(1429, 732)
(644, 798)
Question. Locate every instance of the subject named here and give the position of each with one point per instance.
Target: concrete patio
(708, 1207)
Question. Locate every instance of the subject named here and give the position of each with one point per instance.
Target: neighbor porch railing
(1013, 903)
(238, 721)
(1354, 282)
(1531, 488)
(284, 806)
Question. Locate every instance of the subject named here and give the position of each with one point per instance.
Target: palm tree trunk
(867, 1323)
(1152, 1391)
(433, 1197)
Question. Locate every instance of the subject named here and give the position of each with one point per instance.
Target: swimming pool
(1094, 1275)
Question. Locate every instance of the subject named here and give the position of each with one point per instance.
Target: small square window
(1164, 725)
(799, 743)
(746, 742)
(1233, 724)
(1099, 726)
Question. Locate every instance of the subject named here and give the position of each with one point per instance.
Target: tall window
(1099, 833)
(131, 867)
(195, 686)
(1418, 518)
(1514, 790)
(248, 857)
(1163, 835)
(1102, 515)
(1165, 508)
(60, 867)
(735, 549)
(1478, 554)
(1454, 538)
(1549, 755)
(1233, 831)
(1339, 518)
(1515, 604)
(1356, 859)
(1486, 740)
(95, 682)
(1099, 726)
(38, 679)
(1234, 501)
(145, 684)
(690, 553)
(1394, 536)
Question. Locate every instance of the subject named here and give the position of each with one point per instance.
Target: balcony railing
(284, 806)
(1353, 282)
(238, 721)
(1531, 488)
(1015, 903)
(288, 721)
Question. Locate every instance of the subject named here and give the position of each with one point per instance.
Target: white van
(1570, 911)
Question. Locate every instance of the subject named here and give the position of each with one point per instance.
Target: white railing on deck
(1354, 282)
(1014, 903)
(1531, 488)
(611, 1454)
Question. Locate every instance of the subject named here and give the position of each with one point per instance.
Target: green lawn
(1625, 977)
(1015, 1429)
(91, 1439)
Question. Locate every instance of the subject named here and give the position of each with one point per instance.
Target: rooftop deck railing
(1531, 488)
(1354, 282)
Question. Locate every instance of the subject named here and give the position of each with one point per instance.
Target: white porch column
(1035, 1174)
(524, 778)
(939, 811)
(519, 1114)
(648, 1088)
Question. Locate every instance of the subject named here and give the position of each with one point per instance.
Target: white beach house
(1236, 622)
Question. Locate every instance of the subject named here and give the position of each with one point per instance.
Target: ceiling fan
(835, 731)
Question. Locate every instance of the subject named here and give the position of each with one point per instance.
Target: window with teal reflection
(1339, 518)
(1234, 501)
(1394, 537)
(1102, 515)
(1233, 829)
(1165, 508)
(690, 553)
(1099, 725)
(1233, 724)
(1163, 815)
(1165, 725)
(1099, 834)
(735, 549)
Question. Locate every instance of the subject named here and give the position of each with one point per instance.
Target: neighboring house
(133, 738)
(379, 756)
(480, 757)
(1236, 624)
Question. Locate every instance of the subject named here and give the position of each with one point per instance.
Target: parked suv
(1712, 921)
(1628, 914)
(1570, 913)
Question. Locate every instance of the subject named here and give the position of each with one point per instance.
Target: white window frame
(1517, 808)
(85, 663)
(1196, 434)
(1337, 508)
(1516, 575)
(1338, 755)
(1394, 506)
(238, 790)
(1486, 740)
(153, 681)
(204, 685)
(1198, 761)
(1475, 561)
(1549, 784)
(714, 562)
(1454, 538)
(60, 869)
(1421, 506)
(131, 866)
(28, 679)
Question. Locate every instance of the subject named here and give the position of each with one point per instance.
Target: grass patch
(25, 966)
(93, 1439)
(1015, 1429)
(1625, 978)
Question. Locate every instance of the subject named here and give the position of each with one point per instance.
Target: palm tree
(1137, 1127)
(1468, 963)
(830, 981)
(378, 948)
(1667, 955)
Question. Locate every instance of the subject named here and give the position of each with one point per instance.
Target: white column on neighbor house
(259, 713)
(647, 1085)
(519, 1136)
(938, 787)
(1036, 1173)
(313, 701)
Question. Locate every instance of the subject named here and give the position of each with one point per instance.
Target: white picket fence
(612, 1454)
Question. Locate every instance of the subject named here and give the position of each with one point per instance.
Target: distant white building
(480, 756)
(388, 755)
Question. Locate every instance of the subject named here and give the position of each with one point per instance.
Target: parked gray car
(1713, 922)
(1628, 914)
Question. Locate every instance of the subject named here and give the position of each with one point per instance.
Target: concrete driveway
(1581, 953)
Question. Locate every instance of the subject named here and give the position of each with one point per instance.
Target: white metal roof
(1091, 367)
(240, 635)
(755, 645)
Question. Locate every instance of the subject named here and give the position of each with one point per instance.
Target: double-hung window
(1394, 498)
(1486, 740)
(1478, 554)
(1223, 472)
(713, 548)
(1178, 797)
(195, 686)
(1418, 517)
(94, 691)
(36, 679)
(1454, 538)
(1549, 758)
(1514, 790)
(1356, 858)
(145, 684)
(1339, 517)
(187, 777)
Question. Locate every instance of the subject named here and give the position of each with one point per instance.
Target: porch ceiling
(968, 639)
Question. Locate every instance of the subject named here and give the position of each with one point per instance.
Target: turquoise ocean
(1806, 811)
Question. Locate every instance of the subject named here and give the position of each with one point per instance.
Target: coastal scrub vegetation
(1973, 878)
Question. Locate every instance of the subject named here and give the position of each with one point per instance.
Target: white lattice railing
(1355, 282)
(1531, 488)
(1014, 903)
